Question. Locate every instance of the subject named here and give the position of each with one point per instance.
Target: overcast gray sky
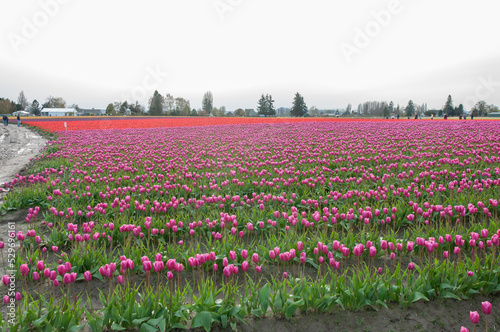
(333, 52)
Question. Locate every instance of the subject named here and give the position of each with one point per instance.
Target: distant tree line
(179, 106)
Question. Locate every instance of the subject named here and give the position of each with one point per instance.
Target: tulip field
(161, 224)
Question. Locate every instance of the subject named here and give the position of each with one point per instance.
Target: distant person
(5, 120)
(460, 117)
(18, 120)
(416, 116)
(472, 116)
(446, 116)
(393, 116)
(398, 116)
(432, 116)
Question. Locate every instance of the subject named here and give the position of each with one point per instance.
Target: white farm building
(58, 112)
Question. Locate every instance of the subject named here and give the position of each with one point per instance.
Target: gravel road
(17, 146)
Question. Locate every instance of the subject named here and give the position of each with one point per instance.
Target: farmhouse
(92, 111)
(58, 112)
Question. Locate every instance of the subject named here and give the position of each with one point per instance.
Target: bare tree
(21, 100)
(169, 103)
(208, 102)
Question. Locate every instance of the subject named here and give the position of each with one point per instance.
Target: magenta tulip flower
(6, 279)
(24, 270)
(474, 317)
(486, 307)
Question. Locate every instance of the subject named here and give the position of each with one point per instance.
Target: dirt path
(17, 146)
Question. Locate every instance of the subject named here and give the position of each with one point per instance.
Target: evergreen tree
(123, 107)
(410, 109)
(299, 107)
(448, 107)
(261, 107)
(386, 112)
(270, 106)
(35, 108)
(156, 104)
(266, 106)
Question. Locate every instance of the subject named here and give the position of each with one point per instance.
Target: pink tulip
(40, 265)
(87, 276)
(484, 233)
(244, 254)
(255, 258)
(6, 299)
(244, 266)
(24, 270)
(67, 278)
(463, 329)
(146, 266)
(120, 279)
(18, 296)
(6, 279)
(486, 307)
(474, 317)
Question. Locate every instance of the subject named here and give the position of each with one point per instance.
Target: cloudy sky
(333, 52)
